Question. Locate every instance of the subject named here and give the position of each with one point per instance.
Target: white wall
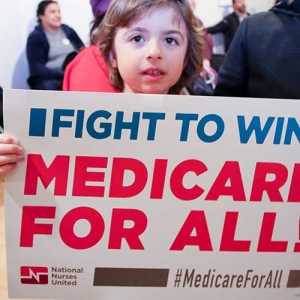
(17, 21)
(259, 5)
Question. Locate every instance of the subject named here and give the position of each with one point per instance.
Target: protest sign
(126, 196)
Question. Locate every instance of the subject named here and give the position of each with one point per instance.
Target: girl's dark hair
(121, 13)
(94, 26)
(42, 7)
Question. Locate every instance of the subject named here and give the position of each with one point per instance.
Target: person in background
(263, 60)
(208, 48)
(99, 8)
(88, 72)
(230, 24)
(50, 43)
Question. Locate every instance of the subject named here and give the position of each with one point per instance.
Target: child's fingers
(10, 159)
(6, 149)
(10, 154)
(9, 145)
(6, 169)
(7, 139)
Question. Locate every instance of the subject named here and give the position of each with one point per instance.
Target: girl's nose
(154, 50)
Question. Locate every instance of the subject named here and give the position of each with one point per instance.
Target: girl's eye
(137, 39)
(171, 41)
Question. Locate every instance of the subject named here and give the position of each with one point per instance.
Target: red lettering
(158, 179)
(119, 166)
(36, 168)
(228, 243)
(230, 171)
(28, 226)
(66, 228)
(294, 193)
(265, 243)
(176, 180)
(81, 176)
(297, 245)
(131, 235)
(195, 220)
(261, 185)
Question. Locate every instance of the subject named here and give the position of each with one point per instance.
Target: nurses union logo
(34, 275)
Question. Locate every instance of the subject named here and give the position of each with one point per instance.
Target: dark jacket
(37, 50)
(228, 27)
(263, 60)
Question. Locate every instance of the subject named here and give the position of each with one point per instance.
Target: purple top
(99, 6)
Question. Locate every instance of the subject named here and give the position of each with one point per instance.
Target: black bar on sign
(294, 279)
(134, 277)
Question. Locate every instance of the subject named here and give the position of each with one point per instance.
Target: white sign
(153, 197)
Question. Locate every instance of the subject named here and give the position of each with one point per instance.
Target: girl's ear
(112, 59)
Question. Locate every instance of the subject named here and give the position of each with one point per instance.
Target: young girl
(150, 46)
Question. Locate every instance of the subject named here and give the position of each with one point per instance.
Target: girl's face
(51, 17)
(150, 53)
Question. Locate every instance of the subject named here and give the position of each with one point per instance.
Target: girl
(150, 46)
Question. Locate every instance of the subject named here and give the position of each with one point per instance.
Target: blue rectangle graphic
(37, 123)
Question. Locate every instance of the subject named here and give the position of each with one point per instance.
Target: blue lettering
(254, 126)
(153, 118)
(79, 124)
(292, 127)
(278, 131)
(37, 123)
(105, 126)
(133, 126)
(219, 131)
(186, 119)
(58, 123)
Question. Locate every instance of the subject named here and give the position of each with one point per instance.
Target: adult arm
(77, 40)
(37, 58)
(219, 28)
(73, 37)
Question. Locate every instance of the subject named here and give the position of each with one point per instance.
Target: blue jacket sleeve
(37, 54)
(75, 39)
(233, 74)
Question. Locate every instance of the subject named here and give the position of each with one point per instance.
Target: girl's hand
(10, 154)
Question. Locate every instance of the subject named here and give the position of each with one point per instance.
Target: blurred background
(18, 20)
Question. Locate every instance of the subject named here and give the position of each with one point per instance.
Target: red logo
(34, 275)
